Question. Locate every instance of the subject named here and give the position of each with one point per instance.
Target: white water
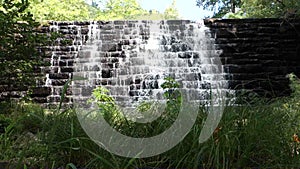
(143, 67)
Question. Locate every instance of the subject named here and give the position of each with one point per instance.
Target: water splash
(134, 66)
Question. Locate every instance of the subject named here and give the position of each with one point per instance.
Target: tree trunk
(232, 4)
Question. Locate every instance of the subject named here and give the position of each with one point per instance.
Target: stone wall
(258, 53)
(130, 58)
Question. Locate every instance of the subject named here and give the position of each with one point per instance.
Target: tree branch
(279, 1)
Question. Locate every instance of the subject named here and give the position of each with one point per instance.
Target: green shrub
(172, 94)
(263, 134)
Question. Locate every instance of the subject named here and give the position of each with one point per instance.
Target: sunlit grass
(262, 134)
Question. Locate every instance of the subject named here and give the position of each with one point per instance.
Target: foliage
(122, 9)
(107, 106)
(132, 10)
(36, 139)
(101, 96)
(79, 10)
(238, 15)
(172, 94)
(19, 42)
(263, 135)
(171, 12)
(151, 15)
(252, 8)
(270, 8)
(220, 7)
(68, 10)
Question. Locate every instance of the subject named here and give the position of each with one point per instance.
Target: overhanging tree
(19, 39)
(122, 9)
(271, 8)
(220, 7)
(252, 8)
(60, 10)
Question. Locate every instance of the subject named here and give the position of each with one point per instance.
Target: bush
(20, 59)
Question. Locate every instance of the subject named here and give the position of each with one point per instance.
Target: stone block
(84, 31)
(227, 33)
(41, 92)
(106, 73)
(84, 54)
(59, 76)
(62, 63)
(40, 100)
(86, 91)
(119, 22)
(107, 27)
(67, 69)
(61, 82)
(115, 54)
(70, 63)
(95, 68)
(108, 37)
(56, 99)
(109, 47)
(269, 50)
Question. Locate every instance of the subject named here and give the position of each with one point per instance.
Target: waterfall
(132, 61)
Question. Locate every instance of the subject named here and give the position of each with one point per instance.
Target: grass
(263, 134)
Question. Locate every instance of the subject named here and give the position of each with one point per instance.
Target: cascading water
(132, 60)
(62, 57)
(133, 63)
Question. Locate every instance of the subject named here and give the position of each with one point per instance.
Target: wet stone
(95, 68)
(70, 63)
(106, 73)
(41, 92)
(122, 55)
(40, 99)
(109, 65)
(66, 69)
(58, 76)
(206, 85)
(123, 72)
(133, 93)
(137, 81)
(54, 99)
(114, 60)
(124, 42)
(104, 60)
(176, 48)
(128, 81)
(138, 86)
(87, 91)
(84, 54)
(132, 87)
(59, 82)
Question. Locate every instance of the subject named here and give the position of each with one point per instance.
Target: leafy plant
(172, 94)
(107, 106)
(20, 58)
(294, 84)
